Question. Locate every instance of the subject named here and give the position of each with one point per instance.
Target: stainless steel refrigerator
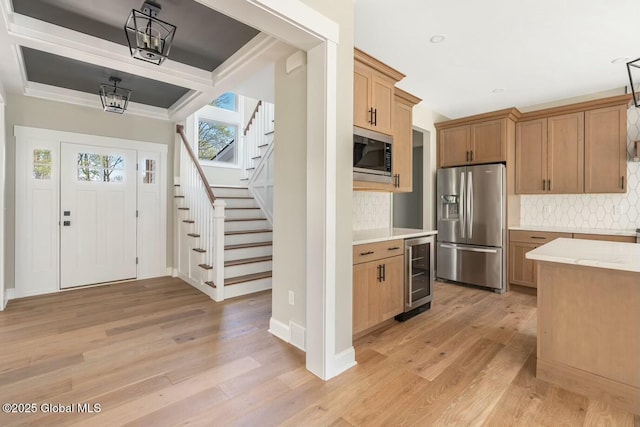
(471, 208)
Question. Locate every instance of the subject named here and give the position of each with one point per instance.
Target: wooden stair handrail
(253, 116)
(194, 159)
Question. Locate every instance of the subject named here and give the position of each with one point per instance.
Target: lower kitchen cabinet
(378, 287)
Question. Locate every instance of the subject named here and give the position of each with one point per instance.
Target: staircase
(224, 239)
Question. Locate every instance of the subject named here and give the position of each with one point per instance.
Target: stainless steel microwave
(372, 156)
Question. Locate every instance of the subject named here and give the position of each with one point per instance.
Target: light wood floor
(157, 352)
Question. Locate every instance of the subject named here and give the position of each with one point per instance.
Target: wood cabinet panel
(378, 250)
(537, 237)
(606, 150)
(453, 146)
(365, 296)
(403, 146)
(488, 142)
(382, 102)
(391, 297)
(521, 270)
(605, 237)
(531, 156)
(565, 154)
(361, 95)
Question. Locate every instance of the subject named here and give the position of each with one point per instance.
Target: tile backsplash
(371, 210)
(613, 211)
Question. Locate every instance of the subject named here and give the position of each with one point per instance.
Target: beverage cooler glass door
(420, 271)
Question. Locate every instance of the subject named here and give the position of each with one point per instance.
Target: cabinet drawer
(537, 237)
(378, 250)
(606, 237)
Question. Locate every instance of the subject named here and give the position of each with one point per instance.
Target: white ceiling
(537, 51)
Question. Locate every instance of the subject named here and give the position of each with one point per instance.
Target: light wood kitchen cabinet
(550, 155)
(403, 141)
(605, 237)
(606, 150)
(477, 139)
(378, 283)
(573, 149)
(373, 93)
(522, 270)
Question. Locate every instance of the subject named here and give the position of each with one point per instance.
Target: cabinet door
(531, 156)
(361, 95)
(403, 147)
(366, 306)
(382, 103)
(606, 150)
(453, 146)
(391, 300)
(489, 142)
(522, 271)
(565, 154)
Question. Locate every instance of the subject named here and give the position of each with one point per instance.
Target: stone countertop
(381, 234)
(605, 231)
(591, 253)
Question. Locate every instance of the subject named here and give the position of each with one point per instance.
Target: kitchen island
(589, 318)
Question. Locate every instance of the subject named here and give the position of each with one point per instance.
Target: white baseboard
(174, 272)
(342, 361)
(280, 330)
(297, 334)
(202, 288)
(9, 294)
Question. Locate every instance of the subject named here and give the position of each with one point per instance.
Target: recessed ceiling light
(498, 90)
(620, 60)
(438, 38)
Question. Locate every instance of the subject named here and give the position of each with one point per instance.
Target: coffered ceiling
(64, 49)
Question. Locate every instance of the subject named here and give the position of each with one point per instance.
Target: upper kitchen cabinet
(578, 148)
(605, 157)
(373, 93)
(477, 139)
(550, 155)
(403, 141)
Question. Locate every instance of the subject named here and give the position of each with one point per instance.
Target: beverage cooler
(419, 276)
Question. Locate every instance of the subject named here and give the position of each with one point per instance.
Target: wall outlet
(291, 298)
(618, 210)
(546, 209)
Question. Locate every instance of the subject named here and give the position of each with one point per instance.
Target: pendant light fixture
(633, 68)
(114, 99)
(148, 37)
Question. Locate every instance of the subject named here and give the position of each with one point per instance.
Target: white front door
(97, 215)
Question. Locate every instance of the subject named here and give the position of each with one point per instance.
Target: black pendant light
(633, 68)
(114, 99)
(149, 38)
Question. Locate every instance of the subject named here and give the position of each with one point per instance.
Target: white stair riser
(242, 213)
(246, 225)
(238, 239)
(233, 254)
(263, 149)
(230, 191)
(244, 269)
(245, 288)
(240, 203)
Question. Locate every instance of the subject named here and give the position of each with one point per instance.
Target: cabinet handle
(384, 272)
(467, 156)
(379, 272)
(472, 155)
(398, 181)
(395, 248)
(622, 181)
(370, 111)
(544, 185)
(375, 117)
(538, 237)
(549, 185)
(366, 253)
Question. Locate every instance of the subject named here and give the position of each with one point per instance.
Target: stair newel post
(218, 248)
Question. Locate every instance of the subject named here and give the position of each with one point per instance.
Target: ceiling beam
(40, 35)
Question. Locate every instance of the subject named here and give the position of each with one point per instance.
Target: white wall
(3, 300)
(619, 211)
(39, 113)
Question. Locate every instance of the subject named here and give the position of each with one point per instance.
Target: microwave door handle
(463, 205)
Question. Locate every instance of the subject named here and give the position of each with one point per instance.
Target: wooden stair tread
(199, 250)
(236, 209)
(178, 197)
(244, 179)
(231, 233)
(248, 245)
(256, 157)
(234, 197)
(213, 285)
(176, 185)
(270, 132)
(247, 260)
(205, 266)
(229, 187)
(183, 209)
(188, 221)
(244, 219)
(241, 279)
(250, 169)
(262, 145)
(193, 235)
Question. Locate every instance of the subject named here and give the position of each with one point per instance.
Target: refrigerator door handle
(463, 206)
(470, 204)
(460, 248)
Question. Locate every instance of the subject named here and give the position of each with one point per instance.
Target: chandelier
(148, 37)
(114, 99)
